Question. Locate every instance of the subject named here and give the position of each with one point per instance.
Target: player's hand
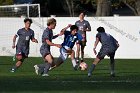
(69, 25)
(13, 46)
(36, 41)
(94, 50)
(58, 45)
(69, 51)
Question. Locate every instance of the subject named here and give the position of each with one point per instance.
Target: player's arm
(88, 27)
(52, 44)
(64, 29)
(14, 41)
(33, 39)
(95, 45)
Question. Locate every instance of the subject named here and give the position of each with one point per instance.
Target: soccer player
(45, 48)
(109, 47)
(70, 37)
(22, 47)
(83, 27)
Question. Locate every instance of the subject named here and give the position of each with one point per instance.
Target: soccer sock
(112, 65)
(46, 69)
(91, 68)
(74, 62)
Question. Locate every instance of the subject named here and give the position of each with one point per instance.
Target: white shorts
(63, 53)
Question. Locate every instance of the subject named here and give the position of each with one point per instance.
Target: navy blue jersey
(69, 39)
(24, 37)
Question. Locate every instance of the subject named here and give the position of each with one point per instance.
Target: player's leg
(99, 57)
(112, 64)
(49, 63)
(63, 56)
(75, 65)
(20, 58)
(82, 50)
(77, 52)
(92, 67)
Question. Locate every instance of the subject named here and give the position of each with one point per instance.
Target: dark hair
(73, 27)
(28, 19)
(51, 21)
(84, 13)
(100, 29)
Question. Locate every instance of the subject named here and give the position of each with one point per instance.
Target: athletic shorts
(63, 52)
(103, 52)
(82, 43)
(44, 51)
(24, 51)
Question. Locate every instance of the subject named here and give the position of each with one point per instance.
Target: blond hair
(51, 21)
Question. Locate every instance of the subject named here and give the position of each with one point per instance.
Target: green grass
(65, 80)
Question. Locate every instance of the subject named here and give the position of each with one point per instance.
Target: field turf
(65, 80)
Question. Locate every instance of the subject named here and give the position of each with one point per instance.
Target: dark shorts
(44, 51)
(82, 43)
(23, 51)
(103, 52)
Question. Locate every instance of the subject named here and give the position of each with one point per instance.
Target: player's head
(100, 29)
(28, 22)
(73, 29)
(51, 23)
(82, 15)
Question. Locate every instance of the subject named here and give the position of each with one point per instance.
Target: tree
(103, 8)
(134, 5)
(6, 2)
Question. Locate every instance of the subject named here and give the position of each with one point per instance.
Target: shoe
(89, 74)
(36, 69)
(82, 61)
(12, 70)
(76, 67)
(45, 75)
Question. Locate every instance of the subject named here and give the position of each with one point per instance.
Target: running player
(22, 47)
(109, 47)
(83, 27)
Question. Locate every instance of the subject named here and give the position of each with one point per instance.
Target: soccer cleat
(45, 75)
(36, 69)
(12, 70)
(76, 67)
(89, 74)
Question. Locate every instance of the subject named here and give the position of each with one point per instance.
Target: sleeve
(79, 37)
(46, 35)
(88, 25)
(98, 36)
(18, 33)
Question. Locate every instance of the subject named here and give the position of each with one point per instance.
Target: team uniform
(68, 43)
(82, 26)
(45, 48)
(109, 45)
(22, 47)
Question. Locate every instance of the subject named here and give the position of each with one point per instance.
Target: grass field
(65, 80)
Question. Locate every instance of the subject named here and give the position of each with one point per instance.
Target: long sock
(74, 62)
(112, 65)
(46, 69)
(91, 68)
(41, 68)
